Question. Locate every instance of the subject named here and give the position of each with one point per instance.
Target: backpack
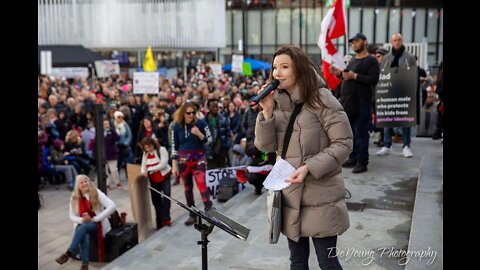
(227, 188)
(115, 220)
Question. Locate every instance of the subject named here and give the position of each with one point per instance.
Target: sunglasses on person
(190, 113)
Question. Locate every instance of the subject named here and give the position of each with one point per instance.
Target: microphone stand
(215, 219)
(204, 230)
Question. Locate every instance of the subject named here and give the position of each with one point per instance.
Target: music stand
(213, 217)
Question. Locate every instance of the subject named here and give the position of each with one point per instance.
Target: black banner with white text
(395, 97)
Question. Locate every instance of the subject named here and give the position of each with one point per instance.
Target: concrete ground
(382, 204)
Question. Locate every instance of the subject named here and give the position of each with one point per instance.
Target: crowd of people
(202, 122)
(65, 116)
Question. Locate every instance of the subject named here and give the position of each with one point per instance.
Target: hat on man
(357, 36)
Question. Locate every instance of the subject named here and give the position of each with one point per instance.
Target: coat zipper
(299, 140)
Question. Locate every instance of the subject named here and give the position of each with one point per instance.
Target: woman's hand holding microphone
(266, 103)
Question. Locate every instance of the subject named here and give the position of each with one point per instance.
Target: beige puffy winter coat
(316, 207)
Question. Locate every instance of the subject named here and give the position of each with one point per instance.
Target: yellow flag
(149, 62)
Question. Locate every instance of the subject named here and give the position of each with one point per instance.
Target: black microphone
(271, 86)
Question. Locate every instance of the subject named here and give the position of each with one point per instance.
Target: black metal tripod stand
(219, 220)
(205, 230)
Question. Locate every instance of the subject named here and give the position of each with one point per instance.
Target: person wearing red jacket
(155, 167)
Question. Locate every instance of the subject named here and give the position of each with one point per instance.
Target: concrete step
(426, 233)
(176, 247)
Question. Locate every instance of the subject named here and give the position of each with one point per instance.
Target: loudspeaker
(120, 240)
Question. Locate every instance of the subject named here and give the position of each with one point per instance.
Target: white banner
(213, 176)
(237, 61)
(70, 72)
(145, 83)
(105, 68)
(45, 62)
(216, 69)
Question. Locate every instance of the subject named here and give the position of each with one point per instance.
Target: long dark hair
(306, 73)
(142, 125)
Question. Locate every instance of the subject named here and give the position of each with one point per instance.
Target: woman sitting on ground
(89, 210)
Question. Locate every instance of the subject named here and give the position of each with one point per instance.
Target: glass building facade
(182, 31)
(262, 26)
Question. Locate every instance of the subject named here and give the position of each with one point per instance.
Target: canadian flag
(334, 25)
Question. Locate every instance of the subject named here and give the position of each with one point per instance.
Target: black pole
(244, 26)
(205, 230)
(375, 25)
(300, 24)
(413, 24)
(204, 251)
(100, 147)
(388, 24)
(345, 38)
(213, 218)
(231, 29)
(437, 39)
(425, 31)
(401, 20)
(361, 18)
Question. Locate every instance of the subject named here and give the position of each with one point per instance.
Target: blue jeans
(125, 155)
(82, 238)
(360, 131)
(388, 133)
(69, 171)
(326, 256)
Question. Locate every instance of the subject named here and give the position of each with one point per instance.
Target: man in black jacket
(359, 79)
(219, 126)
(247, 126)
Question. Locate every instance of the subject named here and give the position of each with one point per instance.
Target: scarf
(154, 160)
(85, 207)
(397, 55)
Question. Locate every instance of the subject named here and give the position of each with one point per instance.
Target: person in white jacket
(89, 210)
(155, 167)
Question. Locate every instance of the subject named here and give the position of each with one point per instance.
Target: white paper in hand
(277, 176)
